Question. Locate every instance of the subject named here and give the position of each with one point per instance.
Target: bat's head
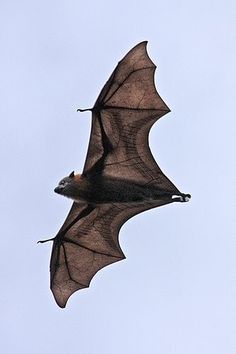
(69, 186)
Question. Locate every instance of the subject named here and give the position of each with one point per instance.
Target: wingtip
(143, 43)
(62, 306)
(140, 44)
(62, 302)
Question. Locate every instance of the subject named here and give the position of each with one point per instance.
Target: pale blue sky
(176, 291)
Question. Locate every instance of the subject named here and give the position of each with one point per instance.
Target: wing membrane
(89, 245)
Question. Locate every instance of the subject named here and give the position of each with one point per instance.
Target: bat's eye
(62, 183)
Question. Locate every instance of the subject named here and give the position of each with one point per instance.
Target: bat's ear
(72, 174)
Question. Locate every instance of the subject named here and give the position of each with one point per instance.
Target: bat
(120, 177)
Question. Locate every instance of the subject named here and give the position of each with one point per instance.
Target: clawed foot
(181, 198)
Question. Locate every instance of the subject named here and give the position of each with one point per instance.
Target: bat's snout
(58, 190)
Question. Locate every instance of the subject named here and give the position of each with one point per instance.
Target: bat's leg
(181, 198)
(62, 233)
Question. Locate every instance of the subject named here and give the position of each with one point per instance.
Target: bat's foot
(183, 198)
(49, 239)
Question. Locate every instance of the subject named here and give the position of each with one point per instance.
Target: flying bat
(120, 177)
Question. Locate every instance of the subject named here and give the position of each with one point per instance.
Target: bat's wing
(87, 242)
(123, 114)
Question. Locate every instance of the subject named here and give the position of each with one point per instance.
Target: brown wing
(83, 247)
(123, 114)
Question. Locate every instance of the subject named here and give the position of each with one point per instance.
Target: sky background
(176, 291)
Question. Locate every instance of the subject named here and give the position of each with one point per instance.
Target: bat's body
(101, 190)
(120, 177)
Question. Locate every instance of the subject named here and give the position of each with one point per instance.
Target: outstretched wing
(123, 114)
(87, 242)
